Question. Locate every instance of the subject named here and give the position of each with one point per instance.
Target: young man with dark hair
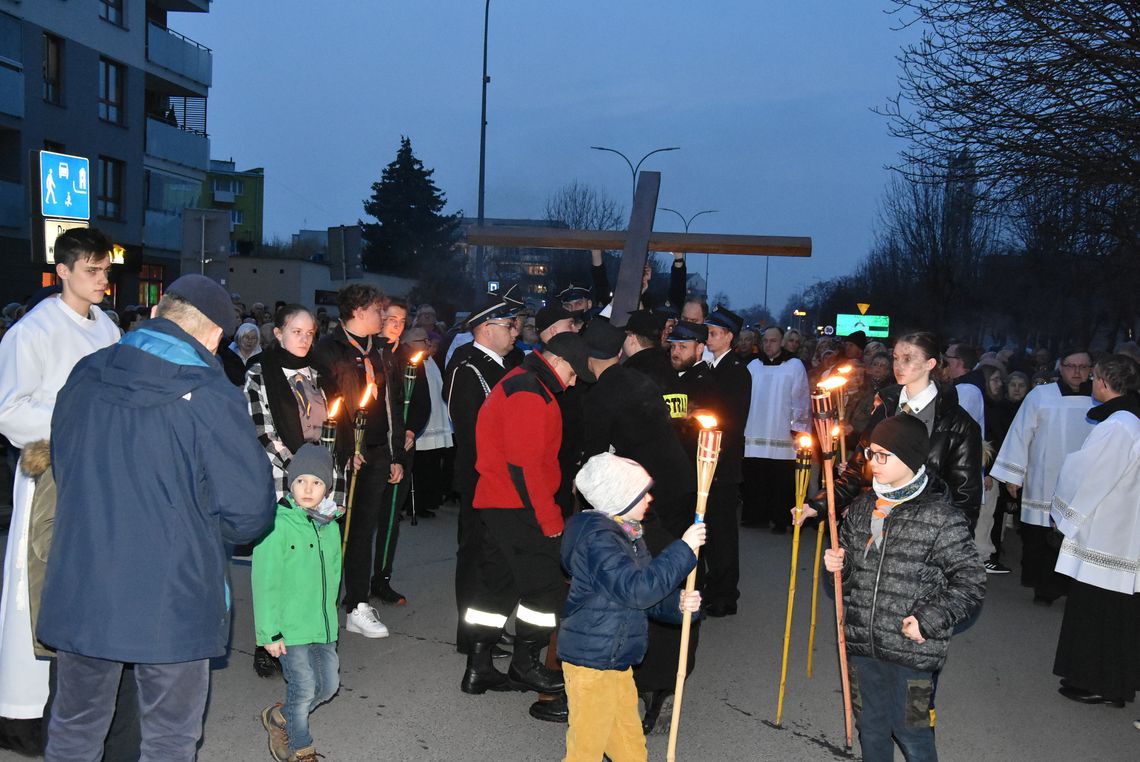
(36, 357)
(352, 354)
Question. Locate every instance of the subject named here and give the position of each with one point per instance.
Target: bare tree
(582, 207)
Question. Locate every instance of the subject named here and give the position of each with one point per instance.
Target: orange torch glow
(706, 421)
(844, 369)
(831, 383)
(804, 442)
(335, 408)
(416, 358)
(835, 433)
(369, 393)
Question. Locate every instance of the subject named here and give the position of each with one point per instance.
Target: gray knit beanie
(611, 484)
(313, 460)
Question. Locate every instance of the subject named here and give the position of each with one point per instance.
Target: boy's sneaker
(996, 567)
(363, 620)
(274, 723)
(307, 754)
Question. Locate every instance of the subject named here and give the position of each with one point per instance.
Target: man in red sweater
(517, 437)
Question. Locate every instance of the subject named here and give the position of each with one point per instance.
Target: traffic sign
(53, 229)
(65, 184)
(863, 307)
(829, 330)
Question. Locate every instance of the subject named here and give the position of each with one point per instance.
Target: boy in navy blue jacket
(614, 586)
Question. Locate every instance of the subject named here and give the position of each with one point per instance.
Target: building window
(53, 69)
(111, 77)
(237, 217)
(228, 185)
(111, 10)
(150, 285)
(109, 202)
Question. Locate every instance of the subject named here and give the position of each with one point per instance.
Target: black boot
(654, 700)
(481, 675)
(557, 710)
(528, 672)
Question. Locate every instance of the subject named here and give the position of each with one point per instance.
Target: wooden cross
(637, 242)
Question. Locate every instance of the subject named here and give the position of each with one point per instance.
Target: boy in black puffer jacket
(911, 572)
(614, 584)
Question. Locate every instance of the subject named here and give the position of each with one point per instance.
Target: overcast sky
(769, 101)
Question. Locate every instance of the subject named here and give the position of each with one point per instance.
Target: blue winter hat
(686, 331)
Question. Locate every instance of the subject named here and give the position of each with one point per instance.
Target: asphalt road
(400, 697)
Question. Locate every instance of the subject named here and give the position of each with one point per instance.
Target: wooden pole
(802, 475)
(820, 529)
(708, 451)
(827, 430)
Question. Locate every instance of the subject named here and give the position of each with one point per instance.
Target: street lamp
(688, 222)
(633, 169)
(483, 140)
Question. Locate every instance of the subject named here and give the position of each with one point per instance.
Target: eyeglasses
(507, 324)
(1074, 366)
(878, 457)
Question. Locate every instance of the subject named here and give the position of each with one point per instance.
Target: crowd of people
(565, 436)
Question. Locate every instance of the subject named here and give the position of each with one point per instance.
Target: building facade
(112, 81)
(242, 194)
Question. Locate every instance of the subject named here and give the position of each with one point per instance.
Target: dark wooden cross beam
(637, 242)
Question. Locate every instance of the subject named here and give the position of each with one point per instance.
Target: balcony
(13, 205)
(190, 6)
(223, 197)
(173, 144)
(11, 89)
(179, 55)
(163, 230)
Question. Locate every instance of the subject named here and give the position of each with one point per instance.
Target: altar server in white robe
(780, 409)
(1050, 425)
(36, 357)
(1097, 508)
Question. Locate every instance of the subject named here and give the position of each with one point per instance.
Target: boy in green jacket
(296, 578)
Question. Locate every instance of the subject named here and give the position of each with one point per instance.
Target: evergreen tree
(411, 236)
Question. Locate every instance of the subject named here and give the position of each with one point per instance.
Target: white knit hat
(611, 484)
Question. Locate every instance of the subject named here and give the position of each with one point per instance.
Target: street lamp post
(688, 222)
(633, 169)
(483, 141)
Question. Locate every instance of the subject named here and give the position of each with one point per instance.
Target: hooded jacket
(955, 453)
(157, 466)
(926, 567)
(614, 587)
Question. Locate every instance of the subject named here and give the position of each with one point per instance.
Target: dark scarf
(779, 359)
(1127, 402)
(282, 402)
(1084, 390)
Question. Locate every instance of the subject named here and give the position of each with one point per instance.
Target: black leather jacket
(955, 454)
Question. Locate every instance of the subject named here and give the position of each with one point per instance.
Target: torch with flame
(836, 386)
(803, 477)
(708, 453)
(328, 427)
(824, 416)
(358, 422)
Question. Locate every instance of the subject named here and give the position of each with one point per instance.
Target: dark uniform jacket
(626, 411)
(730, 399)
(955, 453)
(345, 366)
(654, 363)
(926, 567)
(468, 381)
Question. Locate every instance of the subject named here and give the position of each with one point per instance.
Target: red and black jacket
(517, 438)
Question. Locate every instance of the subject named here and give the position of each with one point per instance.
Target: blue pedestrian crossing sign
(65, 186)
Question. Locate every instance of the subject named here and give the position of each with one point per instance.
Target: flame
(369, 393)
(706, 421)
(416, 358)
(844, 369)
(805, 442)
(831, 383)
(835, 432)
(335, 408)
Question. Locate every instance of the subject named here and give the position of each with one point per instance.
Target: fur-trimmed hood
(35, 458)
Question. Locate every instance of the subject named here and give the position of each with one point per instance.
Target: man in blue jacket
(157, 465)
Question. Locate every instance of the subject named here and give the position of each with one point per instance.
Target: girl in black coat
(955, 438)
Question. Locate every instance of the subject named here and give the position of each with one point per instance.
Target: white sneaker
(364, 621)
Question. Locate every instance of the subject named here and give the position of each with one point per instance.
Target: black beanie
(906, 437)
(312, 460)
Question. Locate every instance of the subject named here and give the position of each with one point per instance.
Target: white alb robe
(36, 357)
(437, 435)
(1047, 427)
(1097, 507)
(780, 404)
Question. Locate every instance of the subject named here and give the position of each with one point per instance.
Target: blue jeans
(312, 673)
(171, 697)
(892, 700)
